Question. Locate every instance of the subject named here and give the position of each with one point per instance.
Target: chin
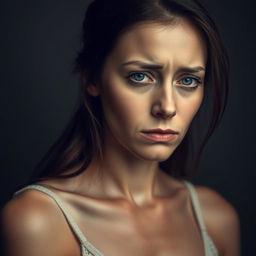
(158, 155)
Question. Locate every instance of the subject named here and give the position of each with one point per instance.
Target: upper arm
(222, 221)
(32, 226)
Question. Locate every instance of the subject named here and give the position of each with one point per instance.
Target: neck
(123, 175)
(133, 180)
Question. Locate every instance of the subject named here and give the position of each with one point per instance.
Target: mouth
(159, 135)
(160, 131)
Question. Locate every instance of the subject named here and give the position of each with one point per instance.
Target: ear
(93, 90)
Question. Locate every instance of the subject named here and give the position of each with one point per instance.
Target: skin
(125, 203)
(159, 102)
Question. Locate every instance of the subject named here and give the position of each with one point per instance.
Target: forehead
(172, 44)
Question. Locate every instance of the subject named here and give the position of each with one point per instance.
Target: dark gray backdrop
(38, 93)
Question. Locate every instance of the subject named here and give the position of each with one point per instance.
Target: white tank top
(87, 249)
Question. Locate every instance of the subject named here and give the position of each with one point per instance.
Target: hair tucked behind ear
(104, 22)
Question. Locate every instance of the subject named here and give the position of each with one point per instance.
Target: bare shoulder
(32, 224)
(222, 221)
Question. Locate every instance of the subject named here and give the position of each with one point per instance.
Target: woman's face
(152, 79)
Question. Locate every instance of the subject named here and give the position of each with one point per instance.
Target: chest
(153, 232)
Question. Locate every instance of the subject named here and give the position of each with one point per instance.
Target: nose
(164, 106)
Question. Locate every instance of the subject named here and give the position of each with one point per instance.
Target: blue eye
(187, 81)
(139, 77)
(190, 82)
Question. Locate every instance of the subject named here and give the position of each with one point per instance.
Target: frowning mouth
(159, 135)
(160, 131)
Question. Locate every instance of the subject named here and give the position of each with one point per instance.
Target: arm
(221, 220)
(33, 225)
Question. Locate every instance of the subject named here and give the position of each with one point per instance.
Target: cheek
(120, 105)
(189, 107)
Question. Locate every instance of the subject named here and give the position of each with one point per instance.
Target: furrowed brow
(191, 69)
(143, 65)
(146, 65)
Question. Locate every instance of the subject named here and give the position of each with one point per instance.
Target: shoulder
(31, 224)
(221, 220)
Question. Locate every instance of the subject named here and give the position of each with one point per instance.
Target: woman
(117, 175)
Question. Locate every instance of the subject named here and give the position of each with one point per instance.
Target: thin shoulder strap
(68, 217)
(209, 246)
(196, 205)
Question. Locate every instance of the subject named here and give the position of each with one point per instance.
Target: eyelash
(135, 73)
(197, 80)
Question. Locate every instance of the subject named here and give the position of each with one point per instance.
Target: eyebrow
(156, 66)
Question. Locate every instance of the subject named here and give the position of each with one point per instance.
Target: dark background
(39, 42)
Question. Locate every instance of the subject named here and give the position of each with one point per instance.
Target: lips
(160, 131)
(159, 135)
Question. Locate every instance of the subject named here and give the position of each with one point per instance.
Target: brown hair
(104, 22)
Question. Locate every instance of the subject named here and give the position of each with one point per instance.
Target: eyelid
(197, 78)
(198, 82)
(146, 73)
(190, 75)
(153, 79)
